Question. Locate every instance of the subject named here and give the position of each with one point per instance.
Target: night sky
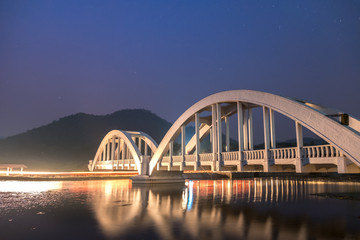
(63, 57)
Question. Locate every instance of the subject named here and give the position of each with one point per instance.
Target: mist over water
(256, 208)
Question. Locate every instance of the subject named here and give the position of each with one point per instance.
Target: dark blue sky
(62, 57)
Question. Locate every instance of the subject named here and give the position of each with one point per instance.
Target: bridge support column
(140, 143)
(214, 137)
(118, 153)
(112, 152)
(197, 142)
(171, 152)
(245, 130)
(108, 150)
(266, 139)
(123, 154)
(250, 128)
(103, 154)
(128, 156)
(144, 167)
(272, 129)
(145, 149)
(341, 164)
(299, 146)
(227, 134)
(240, 119)
(182, 147)
(219, 138)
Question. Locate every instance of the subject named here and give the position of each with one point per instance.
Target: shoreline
(82, 176)
(66, 176)
(280, 175)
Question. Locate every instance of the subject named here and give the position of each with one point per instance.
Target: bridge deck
(322, 155)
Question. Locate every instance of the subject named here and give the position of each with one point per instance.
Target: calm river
(222, 209)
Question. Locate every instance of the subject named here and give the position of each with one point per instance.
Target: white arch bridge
(126, 150)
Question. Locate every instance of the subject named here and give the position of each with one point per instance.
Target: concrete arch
(148, 140)
(345, 138)
(126, 137)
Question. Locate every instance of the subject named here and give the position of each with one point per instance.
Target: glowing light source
(191, 196)
(29, 186)
(71, 173)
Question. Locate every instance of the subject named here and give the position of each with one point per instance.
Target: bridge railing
(206, 157)
(177, 158)
(190, 158)
(230, 156)
(283, 153)
(254, 154)
(320, 151)
(109, 164)
(165, 159)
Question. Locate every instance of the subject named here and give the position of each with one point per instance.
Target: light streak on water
(29, 186)
(290, 209)
(191, 195)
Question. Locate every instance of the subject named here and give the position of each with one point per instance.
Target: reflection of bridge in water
(122, 150)
(224, 209)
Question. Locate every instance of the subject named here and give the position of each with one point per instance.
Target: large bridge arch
(344, 138)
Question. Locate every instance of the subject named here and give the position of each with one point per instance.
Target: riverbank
(188, 175)
(287, 175)
(66, 176)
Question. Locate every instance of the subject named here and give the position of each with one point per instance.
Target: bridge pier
(299, 148)
(240, 119)
(183, 138)
(159, 177)
(144, 167)
(266, 166)
(298, 165)
(239, 167)
(219, 136)
(341, 165)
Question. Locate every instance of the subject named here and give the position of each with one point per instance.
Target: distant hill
(68, 143)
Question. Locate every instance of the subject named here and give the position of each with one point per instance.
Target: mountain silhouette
(68, 143)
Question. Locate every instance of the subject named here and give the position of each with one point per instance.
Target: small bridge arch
(123, 149)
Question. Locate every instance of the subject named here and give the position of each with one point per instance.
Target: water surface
(221, 209)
